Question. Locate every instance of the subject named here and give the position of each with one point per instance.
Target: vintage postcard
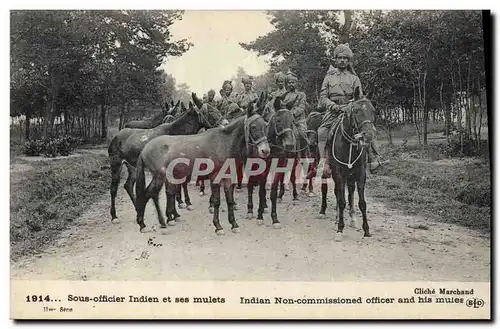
(279, 164)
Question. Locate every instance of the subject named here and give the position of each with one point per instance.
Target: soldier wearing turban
(279, 78)
(336, 91)
(298, 98)
(227, 104)
(248, 95)
(211, 98)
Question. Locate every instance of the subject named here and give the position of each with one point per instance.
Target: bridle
(249, 139)
(353, 140)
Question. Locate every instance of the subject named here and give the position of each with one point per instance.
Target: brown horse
(219, 144)
(352, 134)
(128, 143)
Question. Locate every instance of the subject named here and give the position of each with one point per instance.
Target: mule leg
(250, 186)
(324, 192)
(189, 205)
(282, 189)
(274, 194)
(115, 181)
(229, 194)
(362, 203)
(262, 201)
(216, 204)
(172, 191)
(161, 219)
(202, 187)
(143, 197)
(129, 184)
(293, 178)
(340, 194)
(178, 197)
(351, 185)
(311, 187)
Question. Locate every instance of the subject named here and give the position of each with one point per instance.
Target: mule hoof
(260, 222)
(220, 232)
(145, 230)
(277, 225)
(171, 223)
(311, 195)
(236, 230)
(367, 235)
(182, 205)
(249, 215)
(338, 237)
(321, 216)
(201, 193)
(211, 210)
(190, 207)
(115, 221)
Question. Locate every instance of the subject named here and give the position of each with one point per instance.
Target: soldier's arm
(299, 107)
(324, 102)
(357, 83)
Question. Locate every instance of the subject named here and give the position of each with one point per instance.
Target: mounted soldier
(248, 95)
(337, 91)
(227, 104)
(298, 99)
(211, 98)
(279, 79)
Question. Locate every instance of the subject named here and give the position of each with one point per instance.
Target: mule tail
(140, 183)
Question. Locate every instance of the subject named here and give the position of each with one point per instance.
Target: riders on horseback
(336, 91)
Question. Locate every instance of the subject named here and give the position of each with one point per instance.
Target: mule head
(362, 118)
(281, 126)
(256, 133)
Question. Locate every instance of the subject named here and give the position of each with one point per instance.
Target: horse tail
(140, 183)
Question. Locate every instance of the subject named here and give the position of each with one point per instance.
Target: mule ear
(177, 104)
(197, 101)
(357, 93)
(183, 107)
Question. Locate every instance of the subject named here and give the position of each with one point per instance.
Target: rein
(353, 141)
(279, 133)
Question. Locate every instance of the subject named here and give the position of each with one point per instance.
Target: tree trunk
(27, 125)
(425, 118)
(344, 35)
(104, 123)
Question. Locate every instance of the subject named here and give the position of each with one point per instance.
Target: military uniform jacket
(224, 103)
(246, 98)
(299, 107)
(337, 89)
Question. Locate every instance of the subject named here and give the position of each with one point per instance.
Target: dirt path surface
(402, 248)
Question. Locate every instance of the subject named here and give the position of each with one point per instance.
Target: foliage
(52, 147)
(71, 60)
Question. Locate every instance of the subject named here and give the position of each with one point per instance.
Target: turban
(279, 76)
(211, 92)
(343, 49)
(227, 82)
(291, 77)
(247, 79)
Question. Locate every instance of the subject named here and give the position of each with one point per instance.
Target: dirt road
(402, 248)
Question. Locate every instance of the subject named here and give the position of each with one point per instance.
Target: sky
(216, 53)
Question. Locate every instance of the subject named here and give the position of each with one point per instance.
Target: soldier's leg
(323, 132)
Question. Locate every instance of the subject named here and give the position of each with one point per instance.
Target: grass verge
(422, 181)
(47, 196)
